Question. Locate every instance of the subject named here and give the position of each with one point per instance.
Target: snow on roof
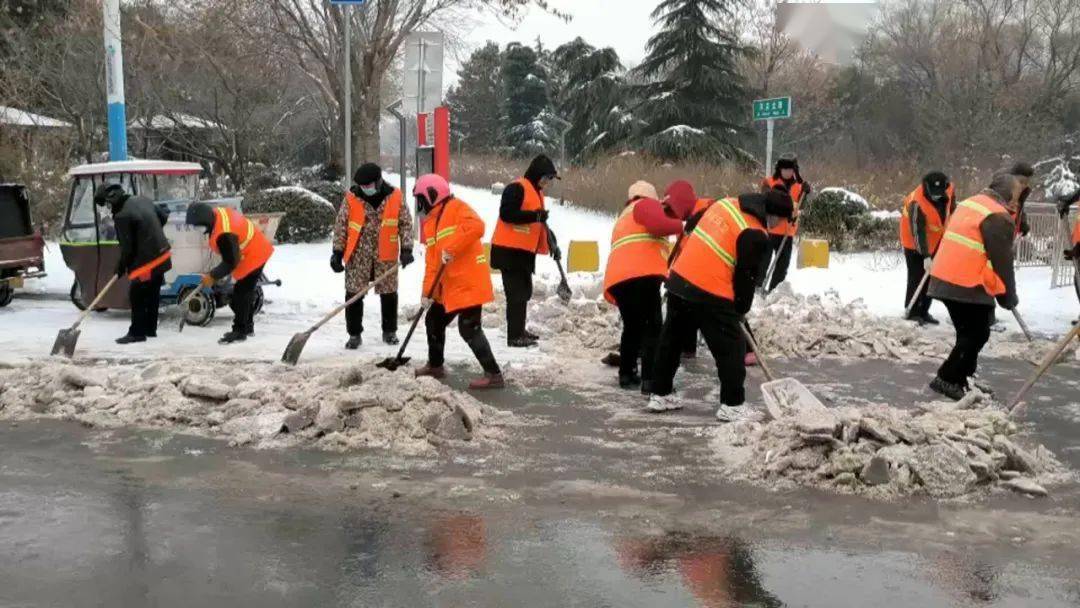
(303, 192)
(161, 167)
(164, 122)
(22, 118)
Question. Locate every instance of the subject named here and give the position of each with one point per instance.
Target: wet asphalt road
(598, 506)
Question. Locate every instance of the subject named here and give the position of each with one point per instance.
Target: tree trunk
(366, 142)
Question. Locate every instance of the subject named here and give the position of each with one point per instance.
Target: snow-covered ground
(28, 326)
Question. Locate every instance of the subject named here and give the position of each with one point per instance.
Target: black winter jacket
(513, 196)
(140, 230)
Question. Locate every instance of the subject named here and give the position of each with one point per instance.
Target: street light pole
(348, 95)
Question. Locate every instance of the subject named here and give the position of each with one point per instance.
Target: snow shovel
(918, 292)
(786, 396)
(1023, 325)
(298, 341)
(395, 362)
(66, 338)
(1051, 357)
(563, 291)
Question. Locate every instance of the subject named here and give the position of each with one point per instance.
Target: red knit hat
(681, 198)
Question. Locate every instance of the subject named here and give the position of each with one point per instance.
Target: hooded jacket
(513, 196)
(202, 215)
(140, 230)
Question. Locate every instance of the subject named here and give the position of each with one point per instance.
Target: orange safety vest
(961, 259)
(530, 237)
(388, 229)
(634, 252)
(142, 273)
(708, 256)
(1076, 232)
(255, 248)
(453, 226)
(935, 225)
(784, 226)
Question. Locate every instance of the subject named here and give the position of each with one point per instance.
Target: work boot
(354, 342)
(151, 334)
(927, 319)
(664, 403)
(522, 342)
(233, 336)
(948, 389)
(629, 380)
(488, 381)
(130, 339)
(431, 372)
(612, 360)
(733, 413)
(750, 360)
(530, 335)
(390, 337)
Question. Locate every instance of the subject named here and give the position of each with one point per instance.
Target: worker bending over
(520, 235)
(973, 268)
(787, 179)
(636, 269)
(372, 234)
(922, 223)
(145, 256)
(244, 252)
(712, 281)
(456, 275)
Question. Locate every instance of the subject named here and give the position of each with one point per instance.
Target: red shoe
(488, 381)
(432, 372)
(750, 360)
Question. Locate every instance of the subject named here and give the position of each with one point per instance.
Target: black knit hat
(935, 184)
(368, 173)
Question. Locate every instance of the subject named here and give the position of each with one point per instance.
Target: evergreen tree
(527, 116)
(476, 101)
(694, 97)
(593, 94)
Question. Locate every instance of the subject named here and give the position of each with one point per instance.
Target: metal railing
(1046, 242)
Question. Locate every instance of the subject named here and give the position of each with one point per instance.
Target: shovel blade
(392, 363)
(295, 348)
(564, 292)
(789, 397)
(65, 342)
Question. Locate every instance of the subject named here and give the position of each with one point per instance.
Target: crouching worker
(145, 256)
(712, 282)
(973, 268)
(373, 231)
(451, 231)
(244, 251)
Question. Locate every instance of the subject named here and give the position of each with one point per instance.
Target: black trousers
(145, 296)
(242, 302)
(972, 323)
(781, 248)
(722, 336)
(690, 339)
(639, 306)
(518, 287)
(471, 330)
(354, 313)
(915, 272)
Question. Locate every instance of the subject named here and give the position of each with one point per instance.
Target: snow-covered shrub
(332, 191)
(262, 177)
(843, 218)
(1060, 182)
(308, 217)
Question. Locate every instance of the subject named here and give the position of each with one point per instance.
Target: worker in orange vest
(713, 276)
(787, 179)
(372, 234)
(244, 252)
(145, 256)
(636, 268)
(520, 235)
(922, 223)
(452, 233)
(973, 268)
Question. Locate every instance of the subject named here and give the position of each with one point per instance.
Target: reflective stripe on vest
(387, 239)
(961, 259)
(714, 238)
(635, 253)
(255, 248)
(531, 237)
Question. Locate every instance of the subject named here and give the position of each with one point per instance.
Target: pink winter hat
(681, 198)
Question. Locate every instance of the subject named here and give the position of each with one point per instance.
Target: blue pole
(114, 82)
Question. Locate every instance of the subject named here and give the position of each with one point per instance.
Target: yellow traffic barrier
(583, 256)
(487, 254)
(813, 253)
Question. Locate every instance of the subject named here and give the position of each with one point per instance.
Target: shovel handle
(420, 314)
(918, 292)
(363, 292)
(745, 327)
(1043, 366)
(1023, 325)
(93, 305)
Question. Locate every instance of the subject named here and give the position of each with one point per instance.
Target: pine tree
(527, 115)
(475, 102)
(694, 97)
(593, 92)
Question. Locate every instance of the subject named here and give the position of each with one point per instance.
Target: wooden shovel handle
(1045, 365)
(93, 305)
(757, 350)
(356, 296)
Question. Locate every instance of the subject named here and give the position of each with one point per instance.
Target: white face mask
(369, 190)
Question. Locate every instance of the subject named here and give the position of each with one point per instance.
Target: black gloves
(542, 215)
(406, 258)
(806, 189)
(335, 261)
(1008, 301)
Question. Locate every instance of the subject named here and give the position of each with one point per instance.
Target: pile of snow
(942, 449)
(259, 404)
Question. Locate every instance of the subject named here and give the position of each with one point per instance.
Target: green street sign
(769, 109)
